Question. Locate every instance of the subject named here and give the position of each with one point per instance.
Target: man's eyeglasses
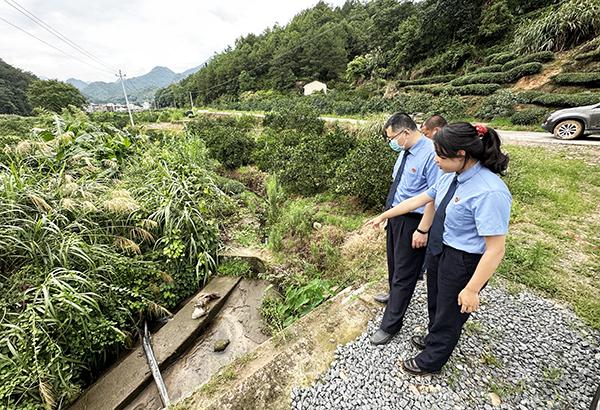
(390, 139)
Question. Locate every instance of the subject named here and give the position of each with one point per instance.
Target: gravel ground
(518, 351)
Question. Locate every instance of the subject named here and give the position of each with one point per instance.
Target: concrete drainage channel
(238, 322)
(184, 350)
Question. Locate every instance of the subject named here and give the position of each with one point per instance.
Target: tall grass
(563, 26)
(98, 229)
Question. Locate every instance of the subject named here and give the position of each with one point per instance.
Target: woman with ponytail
(466, 239)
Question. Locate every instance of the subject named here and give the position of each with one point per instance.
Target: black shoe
(380, 337)
(410, 367)
(418, 342)
(381, 298)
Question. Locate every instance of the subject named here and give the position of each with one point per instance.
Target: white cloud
(135, 35)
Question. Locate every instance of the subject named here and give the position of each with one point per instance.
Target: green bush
(376, 105)
(541, 57)
(419, 103)
(496, 68)
(529, 116)
(592, 55)
(279, 313)
(366, 172)
(303, 163)
(500, 58)
(469, 89)
(518, 72)
(429, 80)
(16, 125)
(235, 267)
(587, 79)
(347, 107)
(451, 107)
(558, 100)
(501, 104)
(229, 186)
(483, 78)
(301, 118)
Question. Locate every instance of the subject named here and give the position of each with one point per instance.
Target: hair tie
(481, 130)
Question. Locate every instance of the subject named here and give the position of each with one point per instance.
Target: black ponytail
(483, 146)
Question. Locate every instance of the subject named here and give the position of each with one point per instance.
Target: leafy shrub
(521, 71)
(297, 302)
(16, 125)
(482, 78)
(496, 68)
(588, 79)
(501, 104)
(419, 103)
(563, 26)
(321, 104)
(592, 55)
(229, 186)
(427, 80)
(303, 163)
(235, 267)
(451, 107)
(375, 105)
(500, 58)
(529, 116)
(119, 120)
(541, 57)
(558, 100)
(300, 118)
(509, 76)
(346, 107)
(469, 89)
(366, 172)
(144, 117)
(227, 139)
(231, 149)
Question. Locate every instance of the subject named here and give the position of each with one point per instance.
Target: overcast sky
(131, 35)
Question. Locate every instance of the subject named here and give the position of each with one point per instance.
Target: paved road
(546, 137)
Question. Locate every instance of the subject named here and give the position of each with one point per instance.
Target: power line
(50, 45)
(55, 33)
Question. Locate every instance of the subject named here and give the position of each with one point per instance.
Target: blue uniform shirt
(480, 207)
(420, 172)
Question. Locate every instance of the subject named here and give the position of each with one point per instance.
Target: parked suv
(572, 122)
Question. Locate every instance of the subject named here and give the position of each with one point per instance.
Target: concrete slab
(119, 385)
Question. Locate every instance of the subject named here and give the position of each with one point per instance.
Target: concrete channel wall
(120, 384)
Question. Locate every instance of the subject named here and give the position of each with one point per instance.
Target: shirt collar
(420, 144)
(469, 173)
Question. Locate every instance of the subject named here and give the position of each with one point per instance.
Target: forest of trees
(385, 40)
(13, 88)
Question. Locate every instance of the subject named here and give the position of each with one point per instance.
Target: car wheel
(567, 130)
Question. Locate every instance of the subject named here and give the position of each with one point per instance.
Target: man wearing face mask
(414, 172)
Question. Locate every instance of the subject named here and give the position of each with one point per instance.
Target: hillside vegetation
(375, 55)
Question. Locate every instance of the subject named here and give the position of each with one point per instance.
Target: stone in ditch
(221, 345)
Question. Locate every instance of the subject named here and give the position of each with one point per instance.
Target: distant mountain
(139, 89)
(80, 85)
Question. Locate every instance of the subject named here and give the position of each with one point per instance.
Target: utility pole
(126, 100)
(192, 101)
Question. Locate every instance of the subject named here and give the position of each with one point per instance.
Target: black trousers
(447, 275)
(404, 266)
